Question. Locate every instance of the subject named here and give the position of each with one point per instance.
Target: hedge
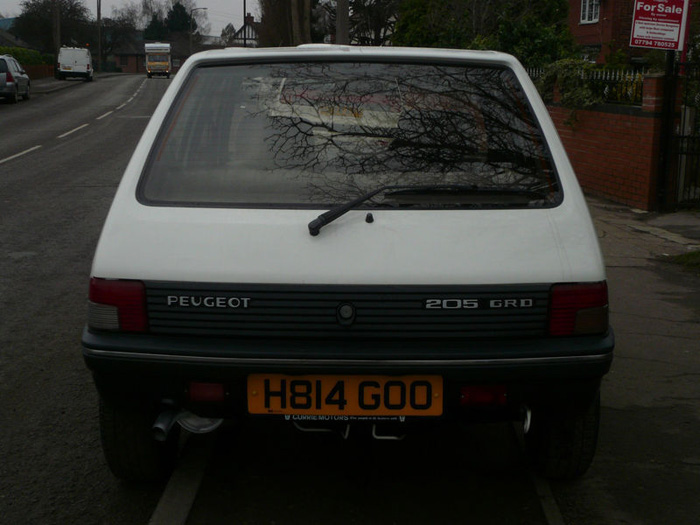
(27, 57)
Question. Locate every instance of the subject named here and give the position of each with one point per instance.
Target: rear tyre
(562, 444)
(128, 444)
(14, 98)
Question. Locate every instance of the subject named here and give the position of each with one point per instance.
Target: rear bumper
(80, 74)
(535, 371)
(560, 357)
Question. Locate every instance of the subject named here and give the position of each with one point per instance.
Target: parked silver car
(14, 81)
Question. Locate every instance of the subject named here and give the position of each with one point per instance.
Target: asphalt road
(61, 158)
(53, 200)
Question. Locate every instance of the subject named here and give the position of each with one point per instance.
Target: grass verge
(690, 260)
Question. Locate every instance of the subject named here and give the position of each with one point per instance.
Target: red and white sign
(659, 24)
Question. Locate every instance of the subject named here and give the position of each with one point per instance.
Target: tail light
(483, 396)
(206, 392)
(9, 78)
(578, 309)
(117, 305)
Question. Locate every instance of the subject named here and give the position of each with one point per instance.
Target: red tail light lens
(578, 309)
(9, 77)
(206, 392)
(117, 305)
(483, 396)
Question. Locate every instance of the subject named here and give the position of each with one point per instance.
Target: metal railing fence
(614, 86)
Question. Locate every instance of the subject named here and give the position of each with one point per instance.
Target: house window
(123, 60)
(590, 11)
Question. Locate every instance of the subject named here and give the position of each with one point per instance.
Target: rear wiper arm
(337, 211)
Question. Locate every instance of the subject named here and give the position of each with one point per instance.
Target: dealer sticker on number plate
(337, 395)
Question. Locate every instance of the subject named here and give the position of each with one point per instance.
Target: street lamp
(191, 19)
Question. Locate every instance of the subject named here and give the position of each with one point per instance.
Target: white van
(348, 238)
(74, 62)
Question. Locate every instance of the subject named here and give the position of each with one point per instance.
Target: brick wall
(614, 149)
(131, 63)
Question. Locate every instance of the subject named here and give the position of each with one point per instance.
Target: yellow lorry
(158, 60)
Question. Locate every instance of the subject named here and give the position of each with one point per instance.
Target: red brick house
(602, 27)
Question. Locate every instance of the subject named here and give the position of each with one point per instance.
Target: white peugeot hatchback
(347, 238)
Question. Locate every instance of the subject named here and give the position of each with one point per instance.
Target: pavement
(658, 235)
(44, 86)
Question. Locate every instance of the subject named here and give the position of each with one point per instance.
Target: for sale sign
(659, 24)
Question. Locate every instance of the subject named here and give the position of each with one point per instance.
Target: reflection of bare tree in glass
(362, 126)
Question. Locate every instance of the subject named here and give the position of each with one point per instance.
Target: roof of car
(358, 52)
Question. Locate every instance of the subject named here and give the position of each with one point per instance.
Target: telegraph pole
(99, 35)
(56, 29)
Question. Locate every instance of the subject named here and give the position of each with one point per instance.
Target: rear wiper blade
(465, 189)
(332, 214)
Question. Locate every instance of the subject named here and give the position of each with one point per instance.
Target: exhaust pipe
(164, 424)
(191, 422)
(527, 419)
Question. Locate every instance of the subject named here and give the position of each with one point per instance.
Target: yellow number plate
(337, 395)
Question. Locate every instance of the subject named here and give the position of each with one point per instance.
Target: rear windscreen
(317, 134)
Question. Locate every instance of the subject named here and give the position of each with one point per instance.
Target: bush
(568, 75)
(27, 57)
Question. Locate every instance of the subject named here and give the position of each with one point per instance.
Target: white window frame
(590, 11)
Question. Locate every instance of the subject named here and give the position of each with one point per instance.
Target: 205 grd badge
(475, 304)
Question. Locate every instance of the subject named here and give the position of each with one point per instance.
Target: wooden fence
(39, 71)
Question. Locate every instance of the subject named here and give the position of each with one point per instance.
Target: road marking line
(72, 131)
(548, 503)
(179, 494)
(105, 115)
(120, 107)
(19, 154)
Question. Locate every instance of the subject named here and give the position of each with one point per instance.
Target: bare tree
(228, 35)
(296, 27)
(285, 22)
(371, 22)
(275, 23)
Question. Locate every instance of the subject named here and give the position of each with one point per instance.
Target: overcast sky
(219, 12)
